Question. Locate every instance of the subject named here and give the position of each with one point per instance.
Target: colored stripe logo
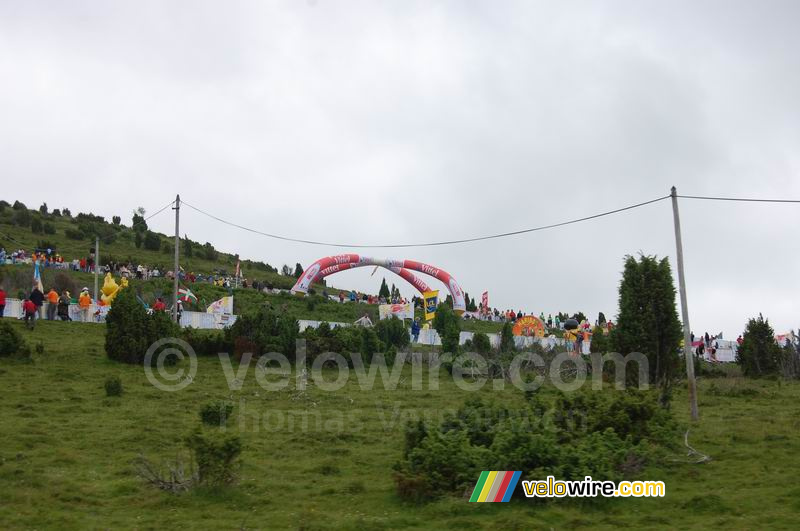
(494, 486)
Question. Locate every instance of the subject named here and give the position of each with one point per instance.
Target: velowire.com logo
(495, 486)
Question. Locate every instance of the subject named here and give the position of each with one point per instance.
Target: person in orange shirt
(84, 302)
(52, 304)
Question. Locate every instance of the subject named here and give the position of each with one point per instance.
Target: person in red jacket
(159, 305)
(2, 301)
(29, 309)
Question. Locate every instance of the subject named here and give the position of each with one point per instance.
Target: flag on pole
(431, 303)
(485, 301)
(186, 295)
(37, 276)
(237, 269)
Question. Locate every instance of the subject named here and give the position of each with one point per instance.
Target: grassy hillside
(118, 243)
(65, 460)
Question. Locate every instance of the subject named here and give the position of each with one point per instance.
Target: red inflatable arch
(333, 264)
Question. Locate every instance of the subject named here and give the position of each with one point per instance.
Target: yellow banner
(431, 303)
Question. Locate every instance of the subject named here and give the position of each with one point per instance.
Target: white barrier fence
(97, 314)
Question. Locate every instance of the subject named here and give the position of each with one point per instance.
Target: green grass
(65, 458)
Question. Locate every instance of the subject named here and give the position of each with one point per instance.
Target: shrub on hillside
(206, 342)
(344, 340)
(49, 228)
(370, 344)
(216, 413)
(481, 343)
(447, 325)
(599, 341)
(507, 338)
(11, 342)
(22, 218)
(113, 386)
(759, 355)
(648, 320)
(74, 234)
(610, 437)
(36, 225)
(393, 332)
(151, 241)
(267, 330)
(216, 456)
(130, 331)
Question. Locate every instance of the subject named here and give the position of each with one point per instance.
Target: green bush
(216, 413)
(599, 341)
(152, 242)
(648, 320)
(36, 225)
(267, 331)
(216, 455)
(370, 344)
(113, 386)
(74, 234)
(507, 338)
(130, 331)
(759, 355)
(448, 325)
(206, 342)
(393, 332)
(481, 343)
(586, 434)
(22, 218)
(11, 342)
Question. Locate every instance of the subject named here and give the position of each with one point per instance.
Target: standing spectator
(569, 341)
(37, 298)
(2, 301)
(415, 330)
(364, 321)
(29, 309)
(52, 303)
(63, 306)
(84, 302)
(159, 305)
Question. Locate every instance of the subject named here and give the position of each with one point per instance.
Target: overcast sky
(395, 122)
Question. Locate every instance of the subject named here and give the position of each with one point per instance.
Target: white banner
(224, 305)
(401, 311)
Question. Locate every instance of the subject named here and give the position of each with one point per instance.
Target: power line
(428, 244)
(746, 199)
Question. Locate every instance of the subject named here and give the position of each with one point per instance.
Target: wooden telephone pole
(687, 341)
(176, 269)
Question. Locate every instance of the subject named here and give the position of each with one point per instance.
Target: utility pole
(176, 269)
(96, 266)
(687, 341)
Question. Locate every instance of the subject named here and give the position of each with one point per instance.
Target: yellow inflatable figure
(111, 288)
